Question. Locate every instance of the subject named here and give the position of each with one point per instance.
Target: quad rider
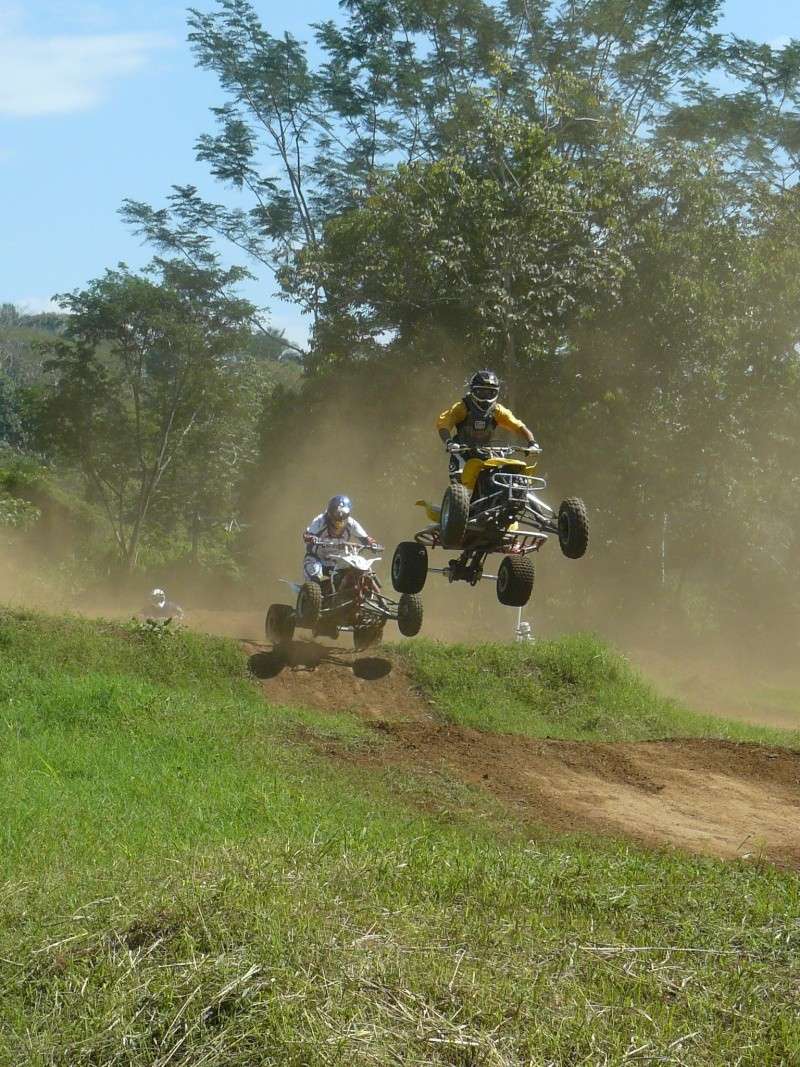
(160, 609)
(335, 523)
(471, 422)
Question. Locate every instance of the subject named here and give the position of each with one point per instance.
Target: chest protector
(476, 429)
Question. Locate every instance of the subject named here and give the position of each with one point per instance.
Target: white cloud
(60, 74)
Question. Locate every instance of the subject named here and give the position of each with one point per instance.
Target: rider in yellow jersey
(471, 422)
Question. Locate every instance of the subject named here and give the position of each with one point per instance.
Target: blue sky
(101, 100)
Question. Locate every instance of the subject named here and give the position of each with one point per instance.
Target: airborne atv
(350, 598)
(494, 508)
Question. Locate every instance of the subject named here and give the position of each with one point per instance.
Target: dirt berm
(718, 797)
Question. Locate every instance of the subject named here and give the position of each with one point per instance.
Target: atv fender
(433, 511)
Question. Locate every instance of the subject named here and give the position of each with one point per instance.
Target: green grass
(168, 742)
(575, 687)
(74, 645)
(183, 881)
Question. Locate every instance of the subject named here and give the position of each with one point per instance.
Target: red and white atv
(349, 598)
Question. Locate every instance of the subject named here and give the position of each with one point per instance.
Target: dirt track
(708, 796)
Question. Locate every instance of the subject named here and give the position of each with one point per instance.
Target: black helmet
(483, 389)
(338, 509)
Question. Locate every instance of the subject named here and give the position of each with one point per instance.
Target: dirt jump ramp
(708, 796)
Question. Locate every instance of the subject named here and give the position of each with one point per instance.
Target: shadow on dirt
(371, 668)
(267, 664)
(306, 655)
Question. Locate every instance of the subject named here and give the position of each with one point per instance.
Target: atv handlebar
(335, 542)
(496, 450)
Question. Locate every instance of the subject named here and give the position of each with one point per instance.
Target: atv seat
(433, 511)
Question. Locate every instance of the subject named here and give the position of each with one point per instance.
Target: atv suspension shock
(467, 568)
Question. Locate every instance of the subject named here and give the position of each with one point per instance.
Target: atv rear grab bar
(513, 543)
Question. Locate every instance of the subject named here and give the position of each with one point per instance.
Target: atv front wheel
(409, 614)
(515, 581)
(309, 605)
(409, 567)
(454, 515)
(573, 527)
(364, 636)
(279, 624)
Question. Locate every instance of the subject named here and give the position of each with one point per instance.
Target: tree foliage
(401, 81)
(141, 381)
(501, 244)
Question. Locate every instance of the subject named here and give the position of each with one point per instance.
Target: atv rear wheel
(515, 581)
(454, 515)
(409, 614)
(409, 567)
(309, 605)
(364, 636)
(279, 624)
(573, 527)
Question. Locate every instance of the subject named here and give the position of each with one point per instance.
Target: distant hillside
(20, 362)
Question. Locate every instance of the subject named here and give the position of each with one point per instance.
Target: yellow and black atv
(495, 507)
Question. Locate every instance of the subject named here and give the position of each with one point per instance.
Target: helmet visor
(485, 392)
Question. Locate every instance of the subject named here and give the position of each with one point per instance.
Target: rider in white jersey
(335, 523)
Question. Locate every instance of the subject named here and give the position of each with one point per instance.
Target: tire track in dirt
(708, 796)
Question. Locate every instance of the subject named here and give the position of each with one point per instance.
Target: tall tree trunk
(195, 537)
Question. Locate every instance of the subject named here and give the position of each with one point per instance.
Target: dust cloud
(381, 449)
(369, 433)
(23, 583)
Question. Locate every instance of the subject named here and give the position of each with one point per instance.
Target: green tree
(141, 377)
(396, 82)
(501, 245)
(198, 503)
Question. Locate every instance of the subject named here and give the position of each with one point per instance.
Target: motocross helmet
(338, 511)
(158, 597)
(483, 389)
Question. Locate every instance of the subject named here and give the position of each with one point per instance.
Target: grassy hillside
(184, 881)
(575, 688)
